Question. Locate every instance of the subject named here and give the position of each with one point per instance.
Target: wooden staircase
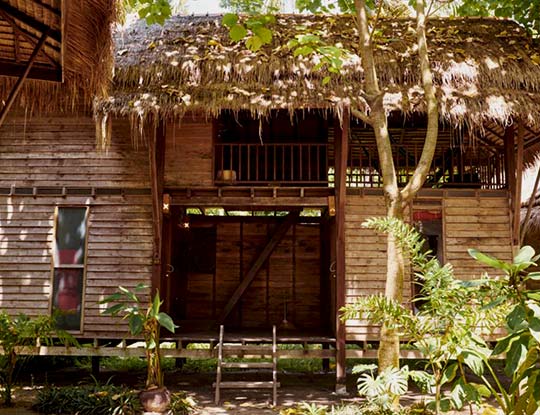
(247, 352)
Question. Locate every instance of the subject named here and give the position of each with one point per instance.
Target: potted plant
(146, 321)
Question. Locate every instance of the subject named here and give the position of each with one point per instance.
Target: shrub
(88, 400)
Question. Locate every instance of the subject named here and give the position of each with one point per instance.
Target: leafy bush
(182, 404)
(88, 400)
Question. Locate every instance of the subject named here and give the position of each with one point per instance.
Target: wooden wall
(55, 152)
(468, 222)
(189, 152)
(292, 273)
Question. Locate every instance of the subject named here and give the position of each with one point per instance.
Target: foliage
(182, 404)
(20, 331)
(153, 11)
(446, 327)
(88, 400)
(522, 342)
(526, 12)
(142, 321)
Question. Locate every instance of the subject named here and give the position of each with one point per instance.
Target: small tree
(143, 321)
(447, 326)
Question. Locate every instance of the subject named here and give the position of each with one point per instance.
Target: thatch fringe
(88, 62)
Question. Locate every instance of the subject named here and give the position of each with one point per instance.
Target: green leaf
(326, 79)
(489, 260)
(449, 373)
(482, 390)
(516, 355)
(533, 295)
(229, 19)
(503, 344)
(516, 318)
(534, 328)
(166, 321)
(533, 276)
(128, 294)
(156, 304)
(254, 43)
(237, 32)
(474, 362)
(524, 255)
(135, 324)
(111, 298)
(114, 309)
(303, 51)
(264, 33)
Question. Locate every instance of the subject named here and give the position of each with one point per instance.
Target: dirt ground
(295, 387)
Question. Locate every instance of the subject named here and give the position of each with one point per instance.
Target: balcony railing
(313, 164)
(294, 164)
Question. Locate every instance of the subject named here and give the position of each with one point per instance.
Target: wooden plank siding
(291, 274)
(468, 222)
(189, 153)
(54, 152)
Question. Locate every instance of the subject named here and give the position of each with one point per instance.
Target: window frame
(83, 266)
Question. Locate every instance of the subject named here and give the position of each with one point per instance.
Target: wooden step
(246, 385)
(248, 365)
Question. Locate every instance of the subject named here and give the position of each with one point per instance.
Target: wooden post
(341, 140)
(156, 153)
(510, 172)
(18, 85)
(519, 175)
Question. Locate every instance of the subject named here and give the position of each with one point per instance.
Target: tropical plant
(521, 345)
(447, 326)
(146, 321)
(20, 331)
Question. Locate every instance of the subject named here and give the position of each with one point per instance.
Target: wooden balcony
(274, 163)
(312, 164)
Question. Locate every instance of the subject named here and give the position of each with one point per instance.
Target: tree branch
(361, 116)
(419, 176)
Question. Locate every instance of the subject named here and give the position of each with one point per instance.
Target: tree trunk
(388, 354)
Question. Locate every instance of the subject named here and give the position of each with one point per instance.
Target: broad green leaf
(254, 43)
(516, 355)
(135, 324)
(489, 260)
(141, 286)
(533, 276)
(524, 255)
(364, 368)
(303, 51)
(229, 19)
(112, 298)
(533, 295)
(128, 294)
(326, 79)
(156, 304)
(449, 373)
(534, 328)
(503, 344)
(482, 390)
(237, 32)
(516, 318)
(264, 33)
(114, 309)
(475, 363)
(166, 321)
(151, 344)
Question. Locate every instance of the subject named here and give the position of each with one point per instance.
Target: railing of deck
(312, 164)
(284, 163)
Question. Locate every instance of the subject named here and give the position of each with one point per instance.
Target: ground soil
(295, 387)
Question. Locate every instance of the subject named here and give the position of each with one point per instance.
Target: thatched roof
(486, 70)
(77, 50)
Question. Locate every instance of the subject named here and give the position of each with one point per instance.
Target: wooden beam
(156, 163)
(341, 141)
(47, 6)
(36, 72)
(519, 176)
(259, 261)
(510, 170)
(30, 21)
(18, 85)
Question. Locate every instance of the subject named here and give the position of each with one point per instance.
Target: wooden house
(237, 182)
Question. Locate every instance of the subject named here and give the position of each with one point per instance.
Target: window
(69, 260)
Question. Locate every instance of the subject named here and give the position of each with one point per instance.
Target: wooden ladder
(249, 351)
